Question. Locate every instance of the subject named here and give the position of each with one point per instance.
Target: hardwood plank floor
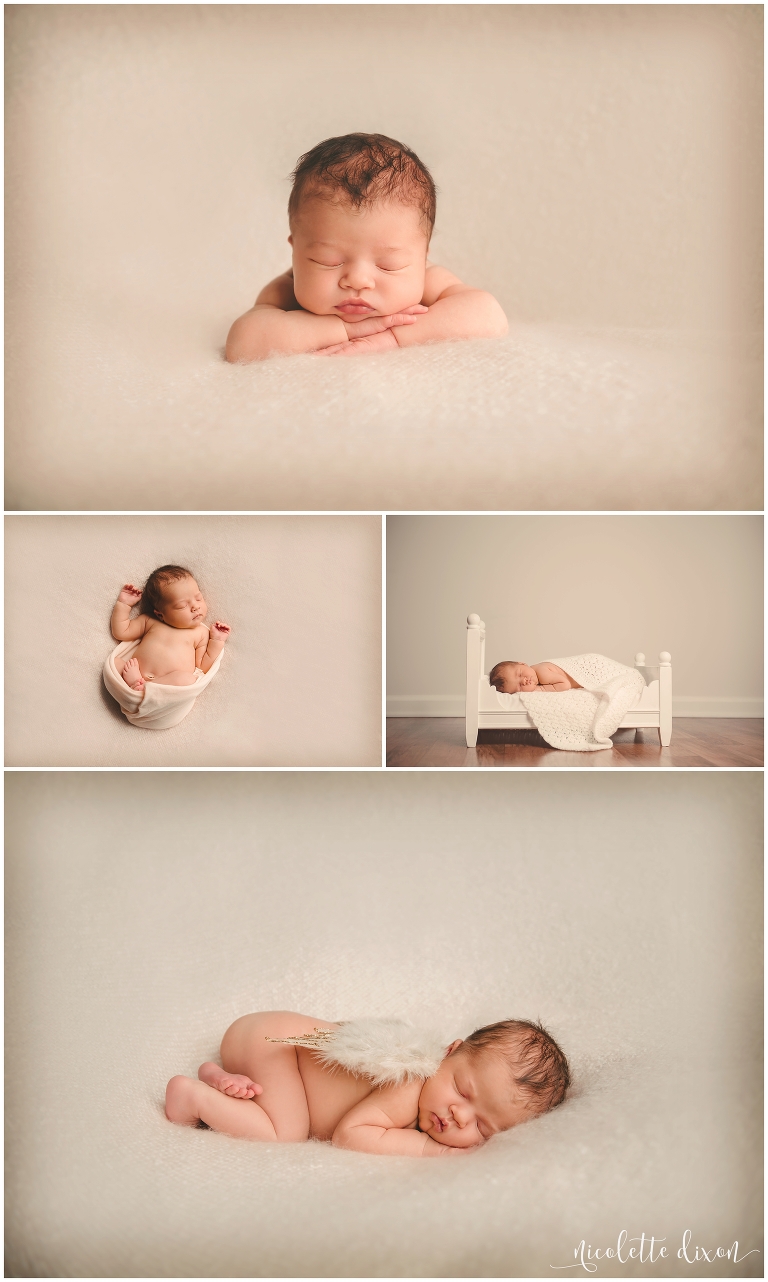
(717, 742)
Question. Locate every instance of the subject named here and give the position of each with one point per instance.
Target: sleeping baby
(361, 214)
(377, 1086)
(175, 641)
(513, 677)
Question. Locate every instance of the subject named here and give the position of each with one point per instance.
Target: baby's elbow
(246, 341)
(341, 1137)
(237, 351)
(491, 316)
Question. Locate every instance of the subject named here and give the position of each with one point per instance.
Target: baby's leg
(187, 1102)
(131, 675)
(245, 1050)
(176, 679)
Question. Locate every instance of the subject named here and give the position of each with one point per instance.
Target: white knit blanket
(583, 720)
(156, 707)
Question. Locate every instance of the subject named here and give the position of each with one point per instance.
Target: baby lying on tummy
(175, 641)
(361, 215)
(513, 677)
(500, 1076)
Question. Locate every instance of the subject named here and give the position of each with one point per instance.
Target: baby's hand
(219, 631)
(130, 595)
(362, 346)
(377, 324)
(363, 328)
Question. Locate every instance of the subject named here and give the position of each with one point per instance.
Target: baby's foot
(234, 1084)
(132, 675)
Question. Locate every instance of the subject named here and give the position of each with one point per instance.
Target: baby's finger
(331, 351)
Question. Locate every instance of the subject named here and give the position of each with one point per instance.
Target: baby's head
(502, 1075)
(510, 676)
(361, 214)
(172, 595)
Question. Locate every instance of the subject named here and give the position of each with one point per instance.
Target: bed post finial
(639, 659)
(665, 657)
(474, 621)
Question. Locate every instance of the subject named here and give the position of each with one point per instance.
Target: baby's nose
(356, 277)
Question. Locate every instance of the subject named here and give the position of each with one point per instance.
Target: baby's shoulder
(437, 280)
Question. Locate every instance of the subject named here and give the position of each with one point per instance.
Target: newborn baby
(513, 677)
(361, 214)
(175, 641)
(502, 1075)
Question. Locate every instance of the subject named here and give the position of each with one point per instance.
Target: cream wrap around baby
(156, 707)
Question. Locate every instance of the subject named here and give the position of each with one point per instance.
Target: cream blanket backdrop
(147, 912)
(598, 169)
(300, 679)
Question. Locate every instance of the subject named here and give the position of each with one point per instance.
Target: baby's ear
(290, 239)
(454, 1046)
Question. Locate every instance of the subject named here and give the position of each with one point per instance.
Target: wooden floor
(696, 741)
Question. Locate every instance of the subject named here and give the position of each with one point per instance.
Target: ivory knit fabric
(583, 720)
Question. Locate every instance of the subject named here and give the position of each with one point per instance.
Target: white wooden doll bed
(652, 711)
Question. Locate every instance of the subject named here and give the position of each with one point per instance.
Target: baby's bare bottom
(281, 1112)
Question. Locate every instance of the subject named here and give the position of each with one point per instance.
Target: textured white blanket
(156, 707)
(584, 720)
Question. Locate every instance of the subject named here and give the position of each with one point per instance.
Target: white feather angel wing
(389, 1051)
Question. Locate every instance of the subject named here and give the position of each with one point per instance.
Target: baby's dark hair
(152, 596)
(539, 1066)
(362, 168)
(496, 676)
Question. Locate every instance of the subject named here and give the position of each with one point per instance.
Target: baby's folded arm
(458, 312)
(368, 1128)
(268, 330)
(124, 628)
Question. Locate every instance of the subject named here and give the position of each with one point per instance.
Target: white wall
(558, 585)
(299, 683)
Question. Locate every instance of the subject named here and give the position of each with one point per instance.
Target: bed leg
(665, 698)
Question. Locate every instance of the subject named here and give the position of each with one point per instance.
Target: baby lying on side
(502, 1075)
(361, 215)
(175, 641)
(513, 677)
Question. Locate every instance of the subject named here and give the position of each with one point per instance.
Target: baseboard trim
(684, 705)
